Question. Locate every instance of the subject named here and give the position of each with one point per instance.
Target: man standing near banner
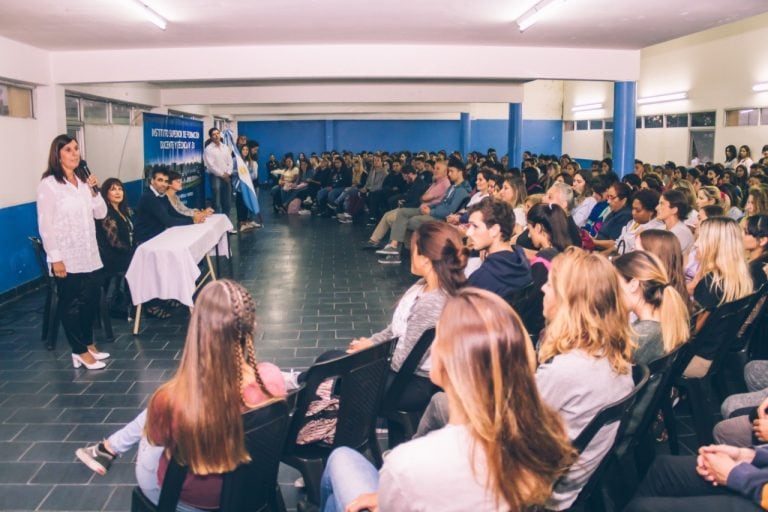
(218, 165)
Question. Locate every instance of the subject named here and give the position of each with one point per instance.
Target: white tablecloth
(166, 266)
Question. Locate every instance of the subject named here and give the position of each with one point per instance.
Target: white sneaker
(305, 212)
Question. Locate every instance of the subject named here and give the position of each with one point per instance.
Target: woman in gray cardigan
(438, 258)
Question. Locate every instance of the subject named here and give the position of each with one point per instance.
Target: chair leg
(670, 423)
(700, 397)
(53, 321)
(46, 313)
(373, 447)
(106, 321)
(312, 472)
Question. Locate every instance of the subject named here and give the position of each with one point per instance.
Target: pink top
(205, 491)
(437, 190)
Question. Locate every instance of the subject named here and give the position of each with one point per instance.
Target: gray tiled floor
(314, 290)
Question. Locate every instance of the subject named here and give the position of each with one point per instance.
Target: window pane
(596, 124)
(568, 126)
(3, 100)
(653, 121)
(609, 124)
(764, 116)
(742, 117)
(121, 114)
(72, 106)
(677, 120)
(703, 119)
(703, 145)
(638, 122)
(95, 111)
(582, 125)
(19, 102)
(607, 144)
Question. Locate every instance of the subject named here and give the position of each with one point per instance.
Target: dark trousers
(672, 484)
(78, 306)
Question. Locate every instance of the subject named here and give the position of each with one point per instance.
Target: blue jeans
(222, 194)
(347, 475)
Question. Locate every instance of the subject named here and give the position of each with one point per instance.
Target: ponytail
(675, 326)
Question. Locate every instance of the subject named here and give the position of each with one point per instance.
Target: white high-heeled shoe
(78, 361)
(99, 355)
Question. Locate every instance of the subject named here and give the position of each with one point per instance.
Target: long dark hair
(54, 161)
(553, 219)
(441, 243)
(108, 184)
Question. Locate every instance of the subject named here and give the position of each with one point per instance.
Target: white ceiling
(111, 24)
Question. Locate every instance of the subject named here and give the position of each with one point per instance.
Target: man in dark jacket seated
(154, 213)
(505, 269)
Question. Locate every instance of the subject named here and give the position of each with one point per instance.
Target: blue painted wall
(279, 137)
(17, 259)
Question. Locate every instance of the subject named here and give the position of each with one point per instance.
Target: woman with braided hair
(195, 416)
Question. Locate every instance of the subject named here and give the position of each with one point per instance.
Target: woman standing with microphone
(67, 204)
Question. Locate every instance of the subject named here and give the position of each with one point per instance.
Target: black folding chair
(402, 425)
(719, 330)
(617, 412)
(250, 487)
(361, 377)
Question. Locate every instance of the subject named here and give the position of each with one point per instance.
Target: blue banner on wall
(176, 144)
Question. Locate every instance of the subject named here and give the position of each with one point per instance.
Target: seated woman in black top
(722, 277)
(618, 196)
(114, 232)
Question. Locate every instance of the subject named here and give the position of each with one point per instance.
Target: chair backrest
(648, 400)
(42, 261)
(361, 378)
(747, 328)
(619, 411)
(250, 486)
(409, 367)
(528, 304)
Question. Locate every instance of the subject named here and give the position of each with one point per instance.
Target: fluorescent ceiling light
(535, 13)
(746, 111)
(760, 87)
(675, 96)
(151, 15)
(588, 106)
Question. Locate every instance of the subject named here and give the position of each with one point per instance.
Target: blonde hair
(720, 245)
(660, 293)
(686, 187)
(712, 193)
(589, 315)
(487, 359)
(197, 414)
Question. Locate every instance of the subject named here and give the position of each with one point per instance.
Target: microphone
(86, 172)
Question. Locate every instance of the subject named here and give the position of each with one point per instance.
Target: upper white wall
(717, 67)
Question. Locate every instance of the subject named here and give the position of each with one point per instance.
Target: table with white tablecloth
(166, 266)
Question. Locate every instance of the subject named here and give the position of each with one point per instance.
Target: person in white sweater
(503, 448)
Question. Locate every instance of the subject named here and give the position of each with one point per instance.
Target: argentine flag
(245, 184)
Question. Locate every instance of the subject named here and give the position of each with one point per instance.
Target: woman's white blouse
(65, 215)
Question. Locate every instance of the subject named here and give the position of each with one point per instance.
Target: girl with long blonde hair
(503, 447)
(585, 355)
(722, 277)
(662, 316)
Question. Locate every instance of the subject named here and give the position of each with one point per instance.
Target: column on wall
(515, 134)
(624, 127)
(329, 142)
(465, 140)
